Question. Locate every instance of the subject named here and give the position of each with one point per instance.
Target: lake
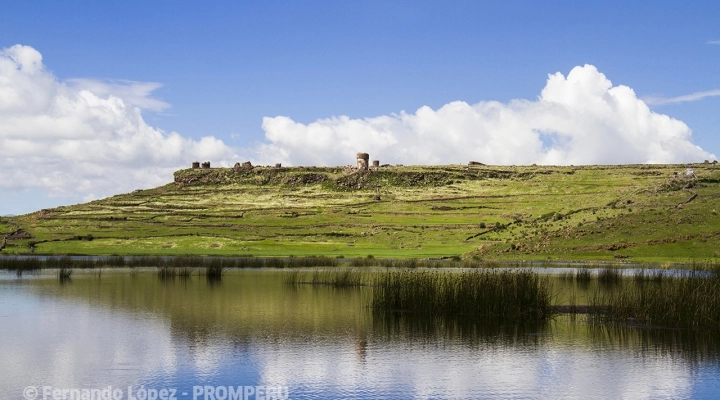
(129, 334)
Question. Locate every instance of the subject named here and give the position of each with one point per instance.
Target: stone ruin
(206, 165)
(246, 166)
(362, 161)
(278, 165)
(196, 164)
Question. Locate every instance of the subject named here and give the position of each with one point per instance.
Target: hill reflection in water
(250, 328)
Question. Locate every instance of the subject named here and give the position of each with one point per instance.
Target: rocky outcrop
(18, 235)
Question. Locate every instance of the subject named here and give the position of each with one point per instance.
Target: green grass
(513, 213)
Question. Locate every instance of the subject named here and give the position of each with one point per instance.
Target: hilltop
(629, 212)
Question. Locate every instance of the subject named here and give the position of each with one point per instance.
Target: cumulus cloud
(658, 100)
(84, 138)
(578, 119)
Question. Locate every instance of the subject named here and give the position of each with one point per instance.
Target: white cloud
(658, 100)
(137, 94)
(578, 119)
(714, 42)
(85, 138)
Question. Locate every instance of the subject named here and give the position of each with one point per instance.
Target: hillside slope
(635, 212)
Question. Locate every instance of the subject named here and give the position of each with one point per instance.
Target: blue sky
(224, 66)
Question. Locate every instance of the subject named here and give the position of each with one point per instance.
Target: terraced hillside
(630, 212)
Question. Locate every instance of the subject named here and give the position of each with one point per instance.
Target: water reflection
(468, 331)
(692, 347)
(123, 328)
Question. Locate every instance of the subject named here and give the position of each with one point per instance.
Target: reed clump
(166, 272)
(567, 276)
(292, 277)
(33, 263)
(410, 263)
(508, 294)
(214, 272)
(191, 262)
(84, 262)
(609, 276)
(644, 276)
(640, 276)
(309, 262)
(64, 274)
(370, 261)
(688, 302)
(20, 263)
(583, 275)
(713, 267)
(338, 278)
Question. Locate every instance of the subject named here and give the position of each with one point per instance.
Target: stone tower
(363, 159)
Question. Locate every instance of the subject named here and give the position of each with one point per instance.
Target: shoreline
(49, 261)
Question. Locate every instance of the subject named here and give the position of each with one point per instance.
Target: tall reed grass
(172, 272)
(339, 278)
(643, 276)
(583, 275)
(689, 302)
(453, 262)
(214, 272)
(517, 294)
(609, 276)
(579, 275)
(33, 263)
(64, 274)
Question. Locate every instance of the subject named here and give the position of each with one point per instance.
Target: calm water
(123, 330)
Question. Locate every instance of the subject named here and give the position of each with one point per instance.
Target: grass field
(542, 213)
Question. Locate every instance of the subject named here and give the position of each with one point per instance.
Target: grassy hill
(629, 212)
